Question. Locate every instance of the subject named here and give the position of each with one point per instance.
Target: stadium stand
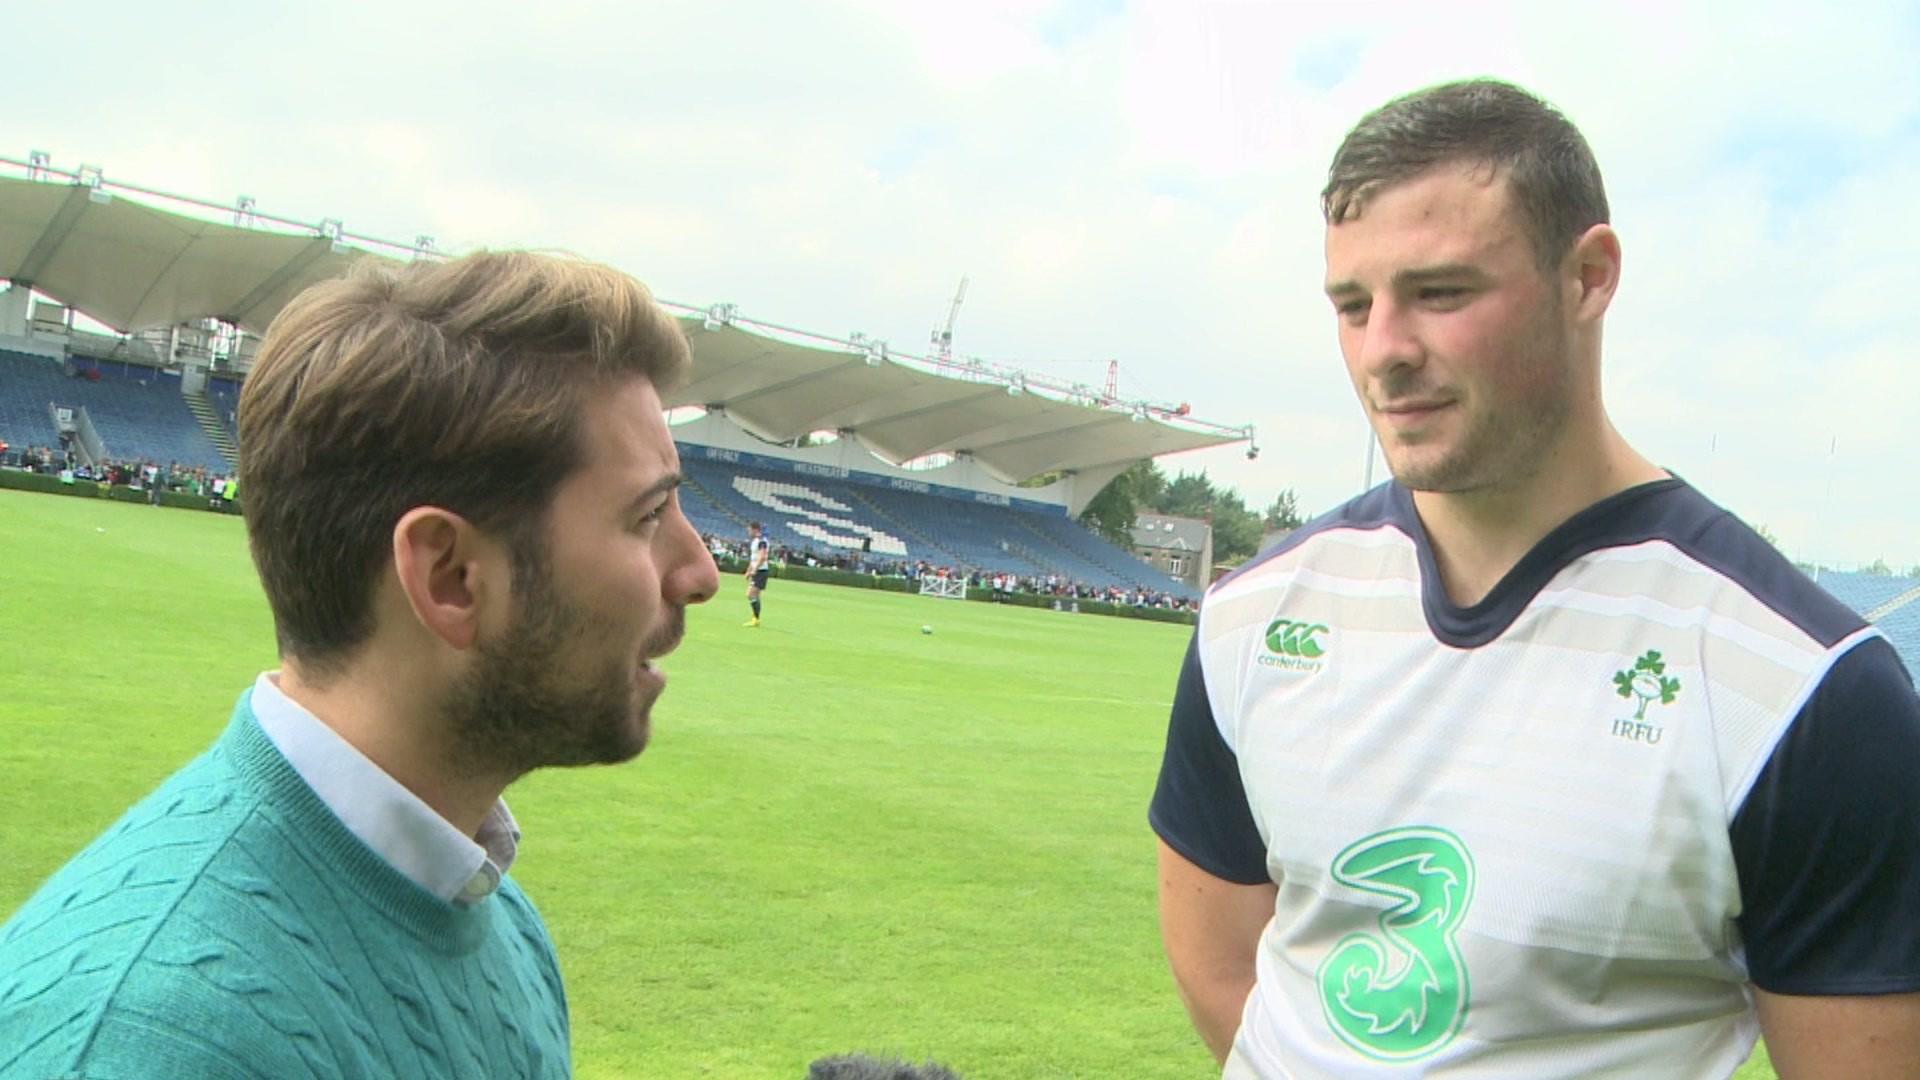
(1891, 603)
(137, 410)
(24, 418)
(1899, 619)
(1863, 592)
(827, 515)
(223, 393)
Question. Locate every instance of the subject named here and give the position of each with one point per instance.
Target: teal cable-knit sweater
(230, 926)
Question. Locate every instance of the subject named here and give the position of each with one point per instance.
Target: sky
(1128, 181)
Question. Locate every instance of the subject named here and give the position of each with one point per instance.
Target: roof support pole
(15, 309)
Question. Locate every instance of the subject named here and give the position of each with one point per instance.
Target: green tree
(1189, 495)
(1143, 487)
(1236, 529)
(1113, 511)
(1284, 513)
(1878, 568)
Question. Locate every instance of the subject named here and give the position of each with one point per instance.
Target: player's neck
(403, 736)
(1478, 536)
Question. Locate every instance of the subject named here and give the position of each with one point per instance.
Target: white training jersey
(1559, 832)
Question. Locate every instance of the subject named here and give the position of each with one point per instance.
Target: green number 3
(1402, 994)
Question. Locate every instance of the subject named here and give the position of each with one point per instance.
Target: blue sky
(1130, 181)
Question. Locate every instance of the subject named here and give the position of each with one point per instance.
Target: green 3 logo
(1289, 638)
(1402, 994)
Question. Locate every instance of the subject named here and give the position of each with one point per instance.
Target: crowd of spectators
(145, 475)
(1001, 585)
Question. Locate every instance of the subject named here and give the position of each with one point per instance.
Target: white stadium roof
(110, 251)
(781, 384)
(134, 266)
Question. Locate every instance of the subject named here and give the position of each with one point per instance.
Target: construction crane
(943, 337)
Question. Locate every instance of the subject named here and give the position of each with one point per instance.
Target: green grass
(846, 835)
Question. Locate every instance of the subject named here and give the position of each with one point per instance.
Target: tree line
(1145, 489)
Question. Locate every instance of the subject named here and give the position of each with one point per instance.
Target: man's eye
(1443, 294)
(1351, 310)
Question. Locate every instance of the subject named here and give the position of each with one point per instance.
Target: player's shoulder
(1749, 580)
(1380, 517)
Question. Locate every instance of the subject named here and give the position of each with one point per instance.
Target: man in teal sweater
(461, 502)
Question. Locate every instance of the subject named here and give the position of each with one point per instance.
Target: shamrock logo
(1647, 679)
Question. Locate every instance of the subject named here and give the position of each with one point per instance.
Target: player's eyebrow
(1444, 272)
(1411, 278)
(655, 490)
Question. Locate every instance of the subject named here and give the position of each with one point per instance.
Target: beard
(522, 706)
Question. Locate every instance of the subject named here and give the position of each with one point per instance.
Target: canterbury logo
(1290, 638)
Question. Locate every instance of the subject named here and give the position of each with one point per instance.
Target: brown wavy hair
(456, 384)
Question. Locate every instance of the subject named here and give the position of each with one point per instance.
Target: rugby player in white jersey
(759, 560)
(1531, 762)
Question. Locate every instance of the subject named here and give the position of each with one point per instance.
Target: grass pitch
(846, 835)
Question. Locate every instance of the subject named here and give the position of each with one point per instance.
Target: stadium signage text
(836, 472)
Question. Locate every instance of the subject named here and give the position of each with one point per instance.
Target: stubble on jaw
(1509, 443)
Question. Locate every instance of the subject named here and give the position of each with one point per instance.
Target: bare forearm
(1215, 1005)
(1211, 929)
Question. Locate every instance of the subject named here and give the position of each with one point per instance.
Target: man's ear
(1594, 263)
(448, 572)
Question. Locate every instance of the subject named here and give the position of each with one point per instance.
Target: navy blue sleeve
(1199, 806)
(1827, 844)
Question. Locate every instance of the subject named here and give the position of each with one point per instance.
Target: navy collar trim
(1622, 519)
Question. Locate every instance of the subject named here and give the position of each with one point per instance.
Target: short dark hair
(1549, 167)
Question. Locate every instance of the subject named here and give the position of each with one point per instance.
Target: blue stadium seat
(1902, 627)
(27, 385)
(1866, 593)
(1863, 592)
(138, 411)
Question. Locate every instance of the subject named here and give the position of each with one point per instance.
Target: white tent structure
(117, 254)
(134, 266)
(781, 384)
